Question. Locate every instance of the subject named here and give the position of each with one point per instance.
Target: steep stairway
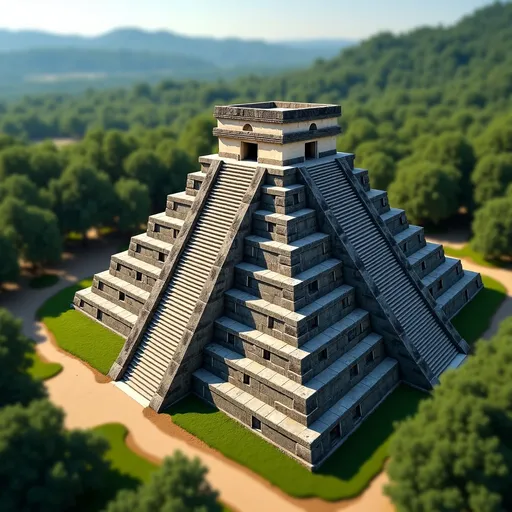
(166, 328)
(405, 300)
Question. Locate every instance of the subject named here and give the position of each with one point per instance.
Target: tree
(9, 268)
(133, 203)
(197, 136)
(491, 176)
(177, 163)
(83, 197)
(34, 230)
(381, 169)
(492, 228)
(43, 467)
(454, 150)
(455, 453)
(428, 192)
(22, 188)
(16, 351)
(179, 486)
(45, 165)
(14, 160)
(117, 146)
(146, 167)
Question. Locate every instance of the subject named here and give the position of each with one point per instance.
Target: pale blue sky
(250, 19)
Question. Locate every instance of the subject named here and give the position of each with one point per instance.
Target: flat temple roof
(277, 111)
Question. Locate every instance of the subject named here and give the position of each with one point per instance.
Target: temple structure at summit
(281, 287)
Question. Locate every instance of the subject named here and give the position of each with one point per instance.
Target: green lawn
(43, 281)
(345, 474)
(476, 317)
(78, 334)
(468, 253)
(42, 370)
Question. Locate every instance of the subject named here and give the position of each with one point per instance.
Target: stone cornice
(285, 138)
(267, 112)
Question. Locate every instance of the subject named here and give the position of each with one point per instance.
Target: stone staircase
(425, 331)
(169, 322)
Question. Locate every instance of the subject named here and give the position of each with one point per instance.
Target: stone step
(149, 250)
(298, 364)
(163, 227)
(292, 293)
(460, 293)
(105, 312)
(134, 271)
(304, 403)
(362, 176)
(288, 259)
(312, 444)
(120, 292)
(426, 259)
(395, 220)
(178, 205)
(379, 199)
(293, 327)
(194, 182)
(443, 276)
(285, 228)
(411, 239)
(284, 200)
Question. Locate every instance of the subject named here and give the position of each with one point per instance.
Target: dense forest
(429, 113)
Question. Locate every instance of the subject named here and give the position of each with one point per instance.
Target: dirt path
(89, 403)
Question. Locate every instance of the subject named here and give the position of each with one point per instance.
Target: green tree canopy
(43, 467)
(491, 176)
(133, 203)
(197, 136)
(16, 385)
(492, 228)
(14, 160)
(178, 486)
(45, 165)
(34, 230)
(456, 453)
(381, 169)
(427, 191)
(145, 166)
(83, 197)
(21, 187)
(117, 146)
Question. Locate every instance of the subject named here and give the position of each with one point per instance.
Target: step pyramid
(281, 288)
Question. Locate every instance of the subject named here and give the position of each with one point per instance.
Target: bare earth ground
(88, 402)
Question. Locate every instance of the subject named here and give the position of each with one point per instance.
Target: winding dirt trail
(89, 402)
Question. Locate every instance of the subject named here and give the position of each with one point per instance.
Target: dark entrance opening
(310, 152)
(249, 151)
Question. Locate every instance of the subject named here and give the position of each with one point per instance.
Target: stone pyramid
(281, 288)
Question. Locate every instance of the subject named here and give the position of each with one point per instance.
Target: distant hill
(224, 53)
(33, 61)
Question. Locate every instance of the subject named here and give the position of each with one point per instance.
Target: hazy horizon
(330, 19)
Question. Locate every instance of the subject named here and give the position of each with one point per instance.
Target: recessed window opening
(247, 128)
(313, 127)
(247, 379)
(313, 287)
